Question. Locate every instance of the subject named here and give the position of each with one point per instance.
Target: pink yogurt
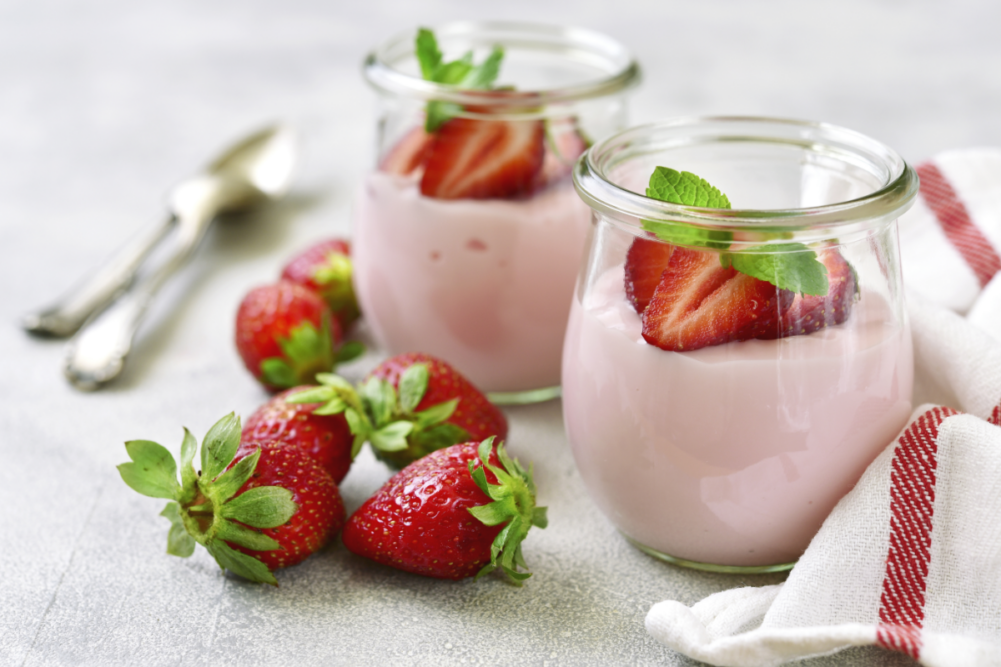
(484, 284)
(734, 454)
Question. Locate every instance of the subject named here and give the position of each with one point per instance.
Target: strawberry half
(809, 313)
(325, 438)
(407, 154)
(646, 260)
(326, 269)
(410, 405)
(285, 335)
(699, 303)
(456, 513)
(256, 507)
(482, 159)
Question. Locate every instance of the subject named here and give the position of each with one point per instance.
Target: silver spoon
(255, 170)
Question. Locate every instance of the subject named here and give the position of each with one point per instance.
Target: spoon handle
(97, 353)
(68, 314)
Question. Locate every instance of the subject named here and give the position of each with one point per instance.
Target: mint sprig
(788, 266)
(461, 73)
(386, 418)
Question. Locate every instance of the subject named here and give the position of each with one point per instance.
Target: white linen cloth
(910, 559)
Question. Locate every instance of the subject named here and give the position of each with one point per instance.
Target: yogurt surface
(733, 454)
(484, 284)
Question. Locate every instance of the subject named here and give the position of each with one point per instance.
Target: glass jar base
(524, 397)
(709, 567)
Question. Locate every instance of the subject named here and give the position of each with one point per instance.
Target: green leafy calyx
(333, 275)
(513, 506)
(204, 507)
(461, 73)
(386, 418)
(789, 266)
(305, 352)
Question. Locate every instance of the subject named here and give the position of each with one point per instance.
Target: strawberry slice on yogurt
(483, 159)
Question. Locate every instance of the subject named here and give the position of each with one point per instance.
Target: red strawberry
(326, 438)
(808, 313)
(407, 154)
(564, 144)
(437, 517)
(483, 159)
(474, 414)
(646, 260)
(285, 334)
(320, 513)
(699, 303)
(325, 268)
(410, 405)
(256, 507)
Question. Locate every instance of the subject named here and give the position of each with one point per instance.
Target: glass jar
(454, 255)
(729, 454)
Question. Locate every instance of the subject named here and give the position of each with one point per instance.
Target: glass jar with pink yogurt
(468, 235)
(717, 419)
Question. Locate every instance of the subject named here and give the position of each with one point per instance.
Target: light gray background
(105, 104)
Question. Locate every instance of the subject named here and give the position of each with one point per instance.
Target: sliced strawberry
(483, 159)
(407, 154)
(645, 262)
(808, 313)
(564, 145)
(698, 303)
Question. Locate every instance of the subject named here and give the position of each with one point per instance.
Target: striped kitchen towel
(910, 559)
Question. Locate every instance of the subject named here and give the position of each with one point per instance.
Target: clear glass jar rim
(381, 74)
(888, 202)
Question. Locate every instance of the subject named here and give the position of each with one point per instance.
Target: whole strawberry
(410, 405)
(326, 438)
(256, 507)
(285, 335)
(458, 512)
(326, 269)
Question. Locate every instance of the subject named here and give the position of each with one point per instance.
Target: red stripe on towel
(995, 417)
(912, 502)
(955, 221)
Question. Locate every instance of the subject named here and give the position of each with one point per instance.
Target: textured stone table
(105, 104)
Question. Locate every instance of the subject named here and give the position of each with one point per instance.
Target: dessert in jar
(729, 373)
(468, 235)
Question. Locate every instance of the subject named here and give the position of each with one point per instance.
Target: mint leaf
(428, 54)
(461, 73)
(789, 266)
(684, 188)
(483, 76)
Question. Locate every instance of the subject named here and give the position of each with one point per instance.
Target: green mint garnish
(685, 188)
(789, 266)
(461, 73)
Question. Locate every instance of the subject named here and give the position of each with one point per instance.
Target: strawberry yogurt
(732, 454)
(483, 284)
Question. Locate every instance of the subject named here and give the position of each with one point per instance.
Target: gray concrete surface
(105, 104)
